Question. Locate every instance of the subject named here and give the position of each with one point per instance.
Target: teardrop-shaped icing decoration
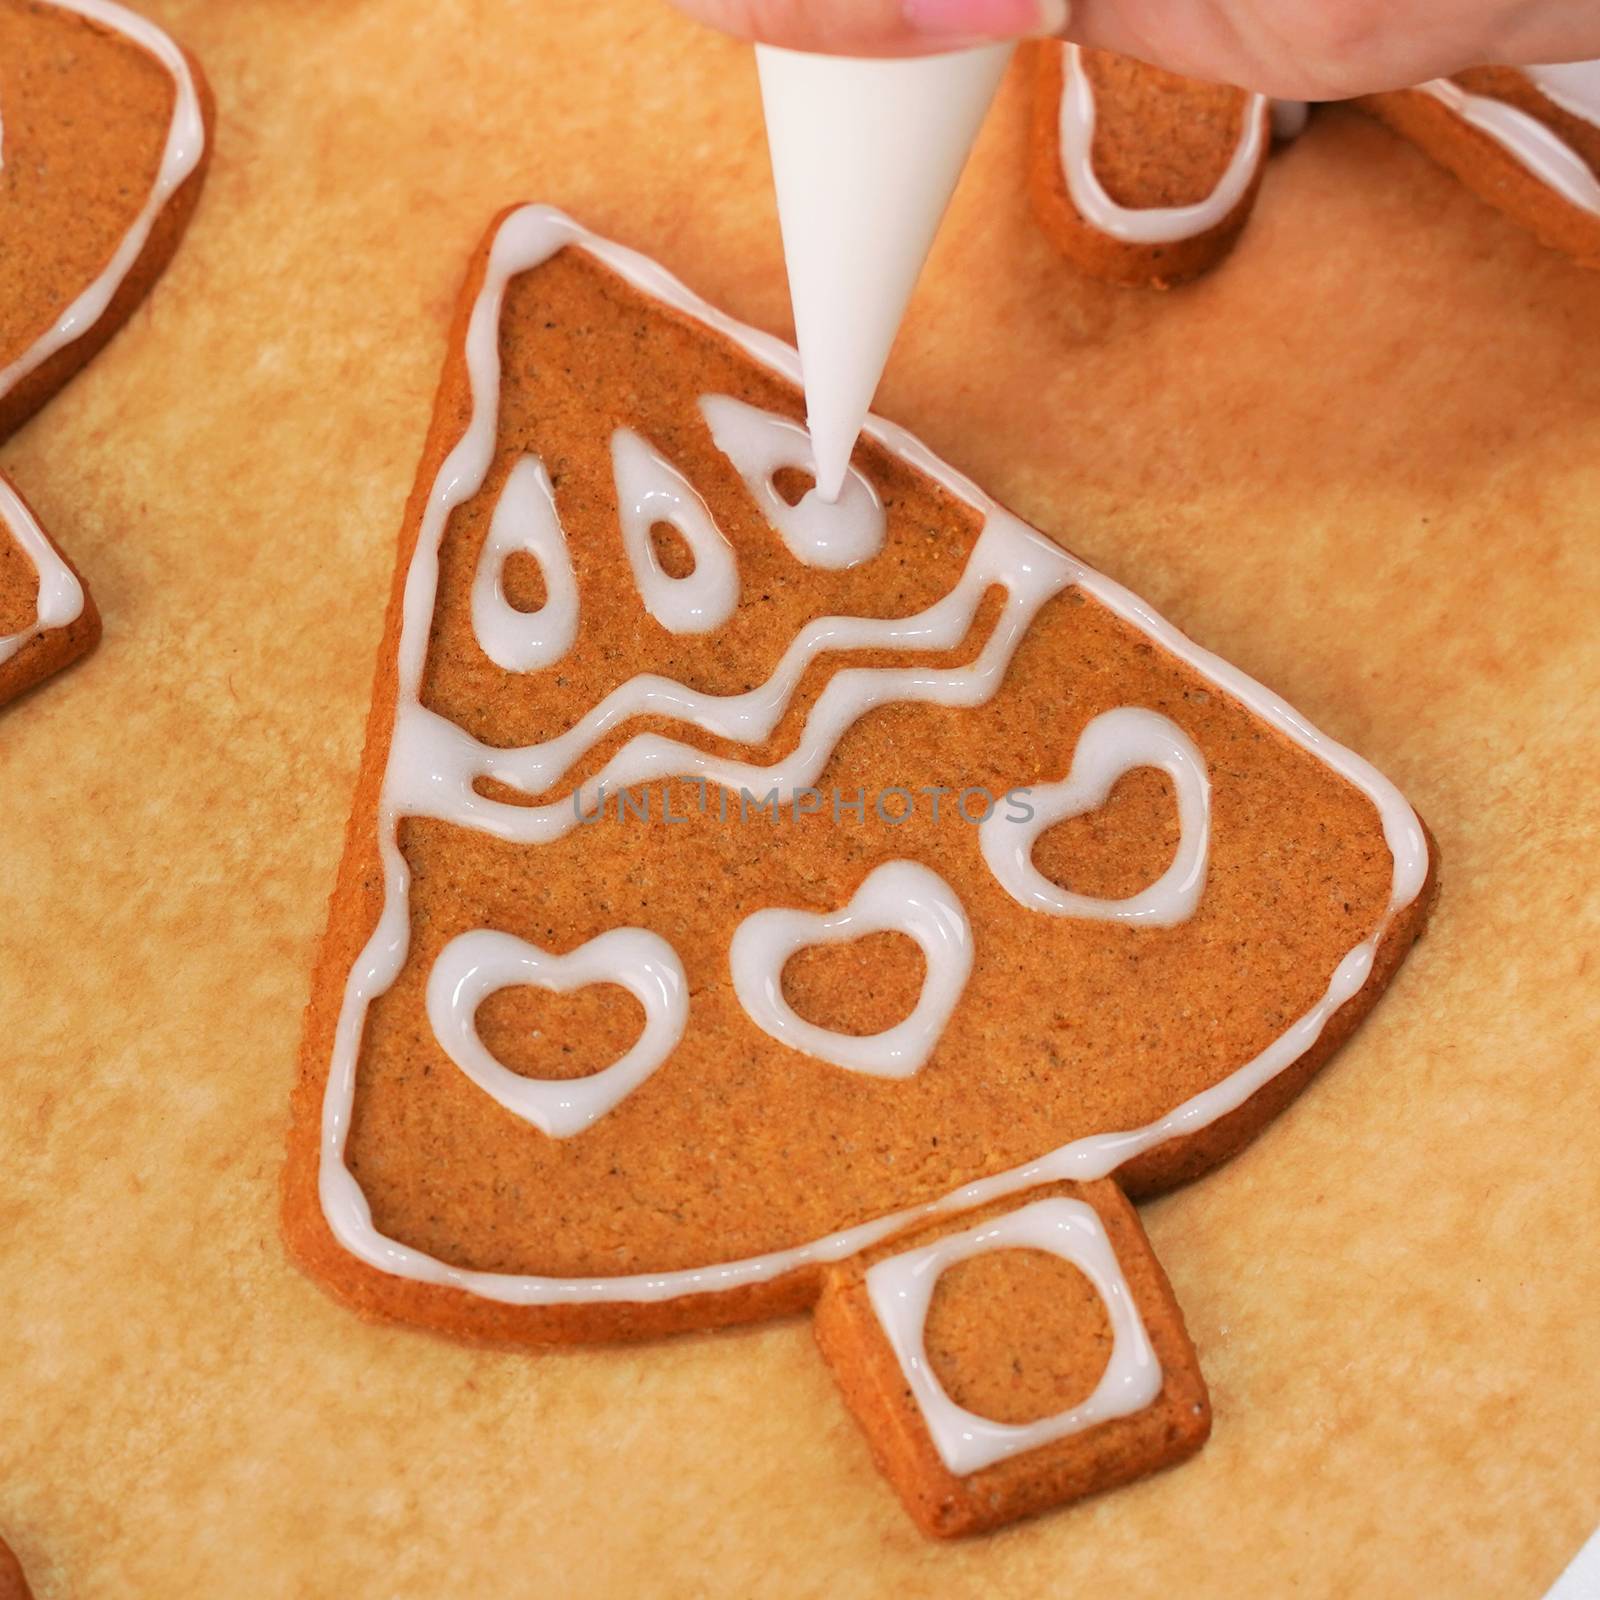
(821, 533)
(525, 521)
(651, 490)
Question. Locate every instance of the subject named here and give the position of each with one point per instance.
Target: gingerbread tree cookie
(750, 899)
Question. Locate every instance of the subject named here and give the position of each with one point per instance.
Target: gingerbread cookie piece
(46, 616)
(1137, 175)
(13, 1582)
(104, 139)
(1526, 139)
(104, 142)
(1014, 1357)
(737, 879)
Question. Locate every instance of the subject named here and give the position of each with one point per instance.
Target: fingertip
(881, 27)
(986, 20)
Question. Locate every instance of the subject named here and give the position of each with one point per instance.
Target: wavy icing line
(523, 240)
(186, 138)
(440, 762)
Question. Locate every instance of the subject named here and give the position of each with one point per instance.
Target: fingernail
(986, 19)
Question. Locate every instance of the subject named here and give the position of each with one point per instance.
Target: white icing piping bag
(865, 157)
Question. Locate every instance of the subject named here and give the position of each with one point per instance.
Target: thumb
(879, 27)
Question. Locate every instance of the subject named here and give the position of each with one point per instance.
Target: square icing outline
(901, 1289)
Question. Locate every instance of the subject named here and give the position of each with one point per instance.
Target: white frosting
(823, 533)
(1572, 85)
(1538, 148)
(525, 521)
(900, 896)
(186, 137)
(901, 1288)
(1146, 224)
(651, 490)
(1114, 743)
(475, 965)
(60, 593)
(434, 764)
(1033, 569)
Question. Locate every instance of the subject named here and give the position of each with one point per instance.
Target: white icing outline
(434, 764)
(650, 489)
(475, 965)
(1539, 149)
(1574, 86)
(1146, 224)
(1110, 746)
(525, 238)
(900, 897)
(60, 593)
(186, 140)
(901, 1289)
(834, 534)
(525, 522)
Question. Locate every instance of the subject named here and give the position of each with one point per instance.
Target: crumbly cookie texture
(704, 923)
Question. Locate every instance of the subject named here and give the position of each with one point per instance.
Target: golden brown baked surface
(1053, 1339)
(1305, 461)
(1164, 140)
(1159, 140)
(86, 113)
(45, 650)
(13, 1582)
(1488, 169)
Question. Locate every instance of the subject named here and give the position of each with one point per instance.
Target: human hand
(1295, 49)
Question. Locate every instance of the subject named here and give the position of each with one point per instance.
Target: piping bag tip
(830, 455)
(865, 157)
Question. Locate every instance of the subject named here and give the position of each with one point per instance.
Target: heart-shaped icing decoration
(475, 965)
(898, 897)
(1113, 744)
